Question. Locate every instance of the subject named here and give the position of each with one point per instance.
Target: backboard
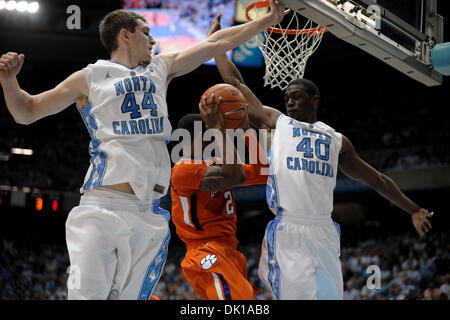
(401, 33)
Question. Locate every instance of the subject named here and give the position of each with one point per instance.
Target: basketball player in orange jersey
(301, 247)
(117, 237)
(204, 213)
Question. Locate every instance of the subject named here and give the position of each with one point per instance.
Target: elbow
(23, 120)
(28, 113)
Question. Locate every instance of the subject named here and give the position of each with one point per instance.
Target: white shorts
(300, 260)
(117, 246)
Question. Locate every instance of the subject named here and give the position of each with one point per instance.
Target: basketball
(233, 107)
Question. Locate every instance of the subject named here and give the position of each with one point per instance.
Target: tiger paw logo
(208, 261)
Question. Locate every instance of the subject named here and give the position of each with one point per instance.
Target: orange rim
(266, 4)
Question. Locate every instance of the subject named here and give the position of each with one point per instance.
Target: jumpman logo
(107, 75)
(291, 122)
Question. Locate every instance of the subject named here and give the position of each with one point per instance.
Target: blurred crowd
(33, 273)
(170, 4)
(198, 14)
(393, 136)
(411, 268)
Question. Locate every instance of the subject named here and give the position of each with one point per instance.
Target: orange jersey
(201, 216)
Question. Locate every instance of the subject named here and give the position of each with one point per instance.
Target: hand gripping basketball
(233, 105)
(210, 111)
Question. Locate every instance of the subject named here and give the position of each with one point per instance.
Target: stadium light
(20, 6)
(25, 152)
(11, 5)
(33, 7)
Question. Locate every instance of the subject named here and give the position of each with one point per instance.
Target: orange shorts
(217, 271)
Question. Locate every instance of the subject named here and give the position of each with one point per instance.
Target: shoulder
(346, 144)
(187, 176)
(184, 163)
(280, 119)
(187, 168)
(159, 63)
(80, 74)
(93, 70)
(165, 59)
(77, 83)
(325, 127)
(329, 130)
(99, 63)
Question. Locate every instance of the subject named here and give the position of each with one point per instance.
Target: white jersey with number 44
(127, 119)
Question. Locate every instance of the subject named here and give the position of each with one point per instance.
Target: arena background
(397, 125)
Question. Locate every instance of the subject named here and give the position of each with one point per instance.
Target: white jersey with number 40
(303, 166)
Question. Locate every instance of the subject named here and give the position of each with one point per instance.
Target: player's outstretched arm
(228, 174)
(260, 116)
(26, 108)
(182, 62)
(354, 167)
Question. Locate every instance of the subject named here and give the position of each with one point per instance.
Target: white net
(287, 47)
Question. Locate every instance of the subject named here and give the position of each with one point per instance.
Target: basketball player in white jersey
(117, 238)
(301, 247)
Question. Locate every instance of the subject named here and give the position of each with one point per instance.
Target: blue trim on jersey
(272, 195)
(160, 211)
(274, 268)
(273, 201)
(98, 158)
(338, 228)
(225, 286)
(193, 212)
(154, 270)
(110, 294)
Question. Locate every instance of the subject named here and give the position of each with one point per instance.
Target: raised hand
(214, 118)
(10, 65)
(420, 221)
(215, 25)
(277, 12)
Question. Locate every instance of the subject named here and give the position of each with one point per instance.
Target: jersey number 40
(323, 153)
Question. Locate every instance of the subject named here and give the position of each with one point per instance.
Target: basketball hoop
(286, 48)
